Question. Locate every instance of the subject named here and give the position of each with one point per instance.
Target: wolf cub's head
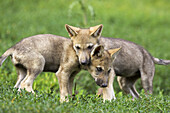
(84, 40)
(102, 64)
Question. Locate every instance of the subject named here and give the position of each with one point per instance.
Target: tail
(5, 55)
(161, 61)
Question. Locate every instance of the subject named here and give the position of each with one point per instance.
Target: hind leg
(127, 84)
(34, 67)
(21, 75)
(147, 79)
(147, 71)
(27, 82)
(133, 92)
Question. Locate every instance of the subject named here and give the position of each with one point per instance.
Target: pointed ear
(96, 30)
(72, 31)
(97, 51)
(114, 52)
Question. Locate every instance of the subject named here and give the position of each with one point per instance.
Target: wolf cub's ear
(97, 51)
(114, 52)
(96, 30)
(72, 31)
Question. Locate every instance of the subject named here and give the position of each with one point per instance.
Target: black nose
(104, 85)
(84, 62)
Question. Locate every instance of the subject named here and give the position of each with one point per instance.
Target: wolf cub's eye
(90, 47)
(99, 69)
(109, 70)
(77, 47)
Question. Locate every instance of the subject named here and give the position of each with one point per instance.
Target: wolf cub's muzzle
(101, 83)
(85, 62)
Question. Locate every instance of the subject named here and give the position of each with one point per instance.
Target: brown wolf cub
(102, 70)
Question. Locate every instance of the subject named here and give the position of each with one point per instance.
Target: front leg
(69, 64)
(71, 80)
(63, 79)
(108, 92)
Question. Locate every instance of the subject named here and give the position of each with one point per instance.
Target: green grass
(144, 22)
(11, 101)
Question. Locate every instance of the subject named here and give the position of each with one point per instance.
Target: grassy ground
(144, 22)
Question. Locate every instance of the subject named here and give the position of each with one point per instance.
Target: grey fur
(161, 61)
(132, 62)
